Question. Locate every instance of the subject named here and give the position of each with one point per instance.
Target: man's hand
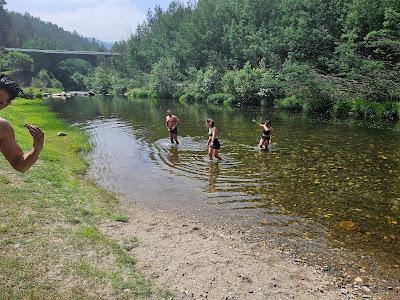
(38, 137)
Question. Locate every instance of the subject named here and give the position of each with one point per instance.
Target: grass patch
(88, 232)
(50, 241)
(120, 218)
(131, 243)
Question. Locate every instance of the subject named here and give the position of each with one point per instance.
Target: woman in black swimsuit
(213, 142)
(266, 136)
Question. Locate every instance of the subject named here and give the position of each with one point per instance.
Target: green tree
(12, 62)
(45, 80)
(5, 22)
(20, 61)
(165, 78)
(385, 42)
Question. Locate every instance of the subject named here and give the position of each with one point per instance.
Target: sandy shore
(197, 261)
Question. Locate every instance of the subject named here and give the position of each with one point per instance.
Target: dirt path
(197, 261)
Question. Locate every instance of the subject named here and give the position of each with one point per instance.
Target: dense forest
(315, 55)
(337, 56)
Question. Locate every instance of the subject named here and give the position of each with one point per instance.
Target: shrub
(290, 103)
(244, 85)
(45, 79)
(187, 98)
(207, 82)
(361, 108)
(358, 108)
(165, 77)
(32, 93)
(305, 84)
(52, 90)
(139, 93)
(220, 98)
(342, 108)
(317, 105)
(391, 110)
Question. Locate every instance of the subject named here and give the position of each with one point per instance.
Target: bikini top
(266, 132)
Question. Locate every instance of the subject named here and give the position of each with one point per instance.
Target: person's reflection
(214, 173)
(173, 156)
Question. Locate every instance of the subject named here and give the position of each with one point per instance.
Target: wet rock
(348, 225)
(61, 133)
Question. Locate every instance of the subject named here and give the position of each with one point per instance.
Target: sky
(106, 20)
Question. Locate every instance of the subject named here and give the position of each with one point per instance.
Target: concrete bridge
(47, 59)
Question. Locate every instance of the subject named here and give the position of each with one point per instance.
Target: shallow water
(337, 183)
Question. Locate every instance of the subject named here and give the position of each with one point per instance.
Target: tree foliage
(317, 51)
(44, 80)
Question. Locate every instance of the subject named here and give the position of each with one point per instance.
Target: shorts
(174, 131)
(215, 145)
(266, 137)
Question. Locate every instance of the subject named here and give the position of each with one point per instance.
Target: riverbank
(344, 109)
(50, 243)
(201, 261)
(64, 236)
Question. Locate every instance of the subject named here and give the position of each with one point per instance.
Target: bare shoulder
(5, 128)
(4, 124)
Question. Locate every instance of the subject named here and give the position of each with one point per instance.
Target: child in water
(266, 135)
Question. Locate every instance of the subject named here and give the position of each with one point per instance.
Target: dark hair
(268, 123)
(9, 86)
(211, 122)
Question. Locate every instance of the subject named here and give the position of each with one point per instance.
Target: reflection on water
(344, 180)
(214, 171)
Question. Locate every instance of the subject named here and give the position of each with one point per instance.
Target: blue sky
(107, 20)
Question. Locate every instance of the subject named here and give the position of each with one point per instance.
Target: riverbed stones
(358, 280)
(348, 225)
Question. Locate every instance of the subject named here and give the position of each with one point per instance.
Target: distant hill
(26, 31)
(107, 45)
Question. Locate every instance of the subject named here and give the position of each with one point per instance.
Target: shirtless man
(172, 123)
(8, 146)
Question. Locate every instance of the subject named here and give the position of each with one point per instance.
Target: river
(322, 185)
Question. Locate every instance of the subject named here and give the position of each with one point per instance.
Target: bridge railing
(63, 52)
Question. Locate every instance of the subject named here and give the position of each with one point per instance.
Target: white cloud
(107, 20)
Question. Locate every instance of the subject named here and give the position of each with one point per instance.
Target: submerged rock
(61, 133)
(348, 225)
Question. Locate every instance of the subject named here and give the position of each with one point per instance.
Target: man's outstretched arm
(12, 151)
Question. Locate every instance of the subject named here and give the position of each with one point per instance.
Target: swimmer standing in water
(172, 123)
(266, 135)
(213, 142)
